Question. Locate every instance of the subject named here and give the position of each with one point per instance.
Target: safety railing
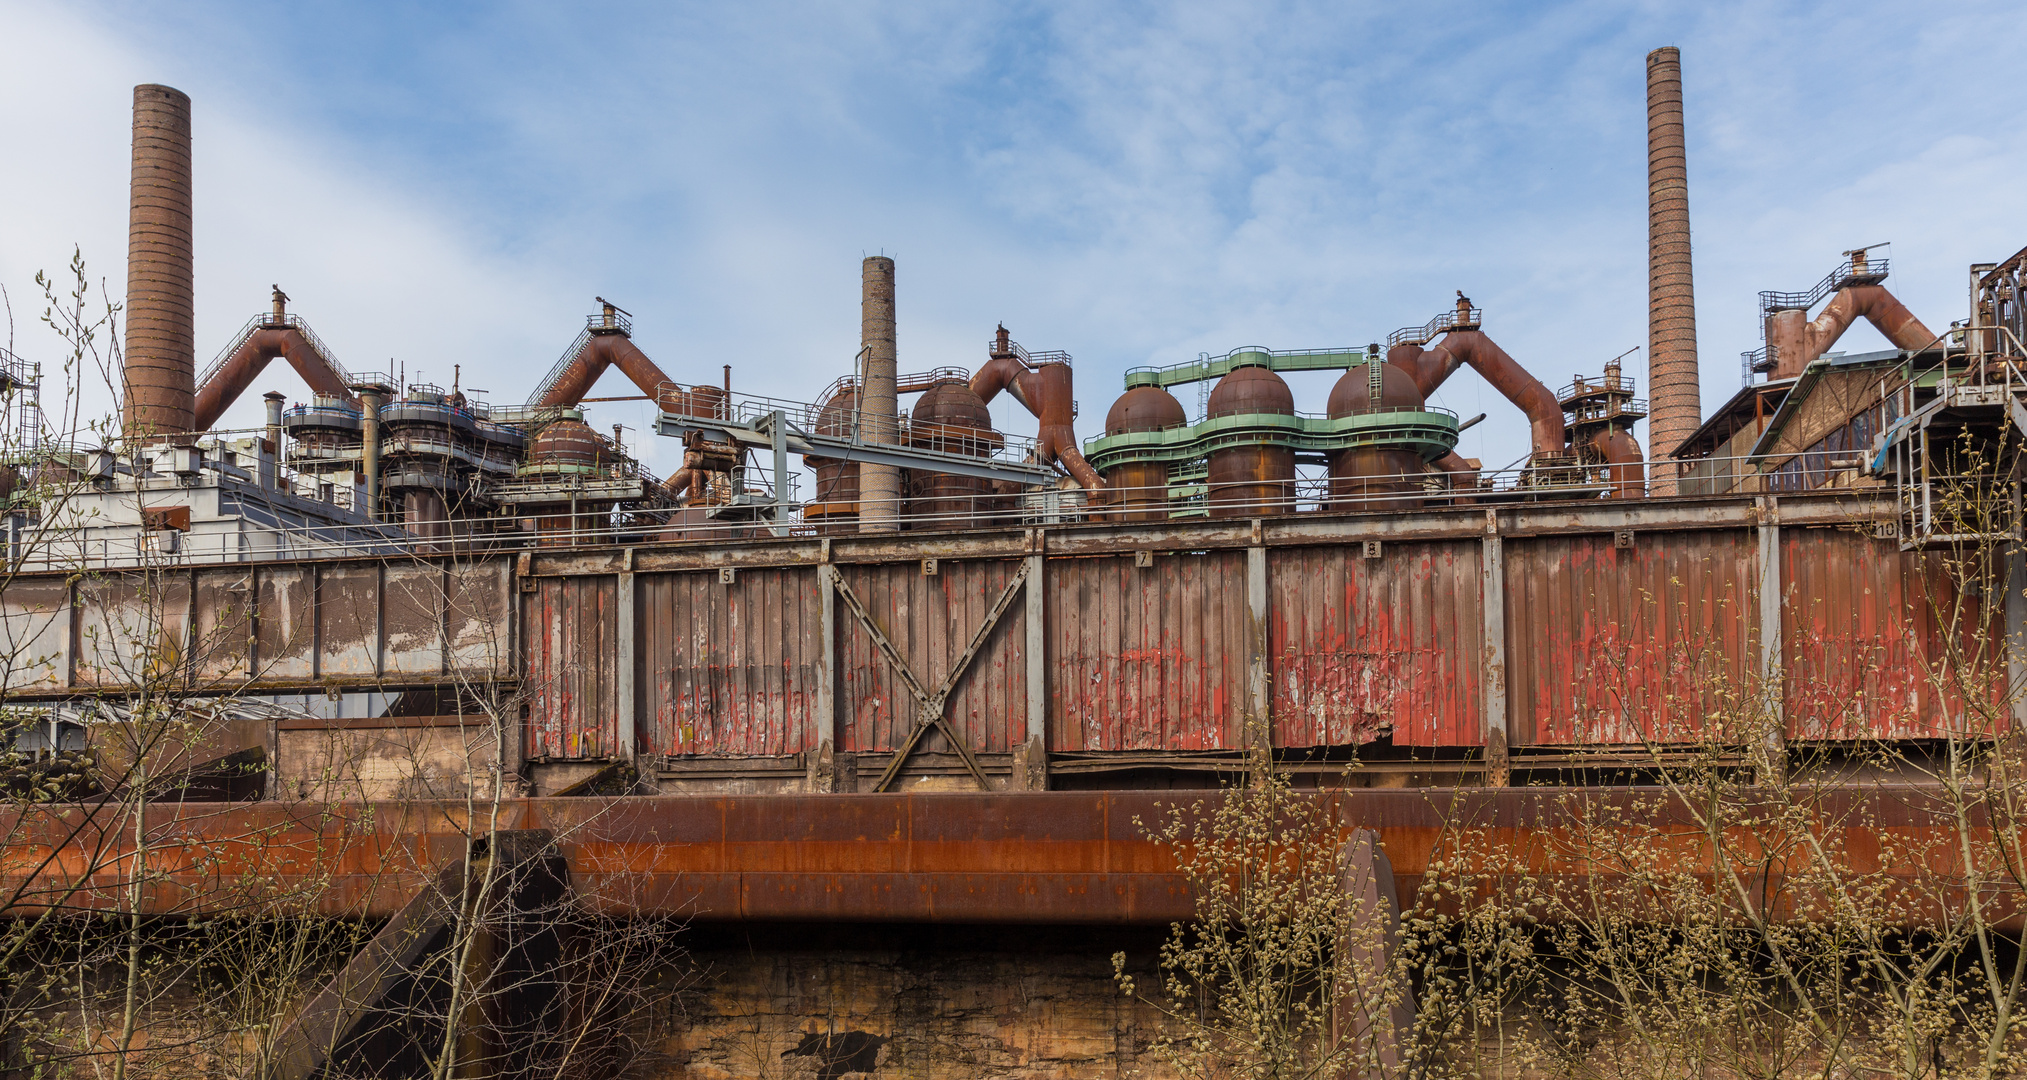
(265, 321)
(562, 365)
(16, 372)
(1756, 362)
(744, 506)
(1428, 331)
(913, 382)
(1848, 272)
(1610, 384)
(1031, 359)
(856, 425)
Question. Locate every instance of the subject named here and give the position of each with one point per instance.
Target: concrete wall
(956, 1002)
(337, 762)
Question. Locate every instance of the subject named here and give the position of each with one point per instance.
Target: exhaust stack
(879, 485)
(1672, 381)
(160, 370)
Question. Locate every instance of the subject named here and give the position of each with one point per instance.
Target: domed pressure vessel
(1140, 488)
(566, 446)
(1369, 478)
(1257, 478)
(949, 418)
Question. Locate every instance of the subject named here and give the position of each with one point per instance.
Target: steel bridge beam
(1067, 858)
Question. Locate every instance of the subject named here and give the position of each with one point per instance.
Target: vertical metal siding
(930, 620)
(1369, 647)
(572, 653)
(729, 668)
(1604, 644)
(1147, 658)
(1880, 643)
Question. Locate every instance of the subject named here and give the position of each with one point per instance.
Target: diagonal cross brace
(929, 707)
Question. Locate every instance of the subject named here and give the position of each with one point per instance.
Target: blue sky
(1133, 183)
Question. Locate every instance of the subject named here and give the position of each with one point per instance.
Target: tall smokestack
(879, 485)
(161, 356)
(1672, 382)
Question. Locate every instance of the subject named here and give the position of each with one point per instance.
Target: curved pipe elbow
(1428, 367)
(1880, 308)
(1873, 303)
(245, 365)
(644, 373)
(601, 352)
(1543, 411)
(252, 357)
(1063, 448)
(1626, 465)
(1462, 474)
(1002, 373)
(315, 369)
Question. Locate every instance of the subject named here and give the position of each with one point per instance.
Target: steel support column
(1492, 601)
(1031, 759)
(823, 772)
(2016, 617)
(628, 615)
(1774, 746)
(1258, 722)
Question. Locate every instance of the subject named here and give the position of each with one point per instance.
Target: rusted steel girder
(1029, 858)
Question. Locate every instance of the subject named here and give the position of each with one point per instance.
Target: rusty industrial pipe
(1047, 391)
(246, 363)
(1431, 367)
(369, 451)
(274, 434)
(1797, 341)
(601, 352)
(159, 372)
(1627, 465)
(1462, 474)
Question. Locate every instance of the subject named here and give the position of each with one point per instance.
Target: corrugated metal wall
(930, 620)
(1603, 642)
(730, 668)
(1368, 647)
(572, 654)
(1866, 640)
(1147, 658)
